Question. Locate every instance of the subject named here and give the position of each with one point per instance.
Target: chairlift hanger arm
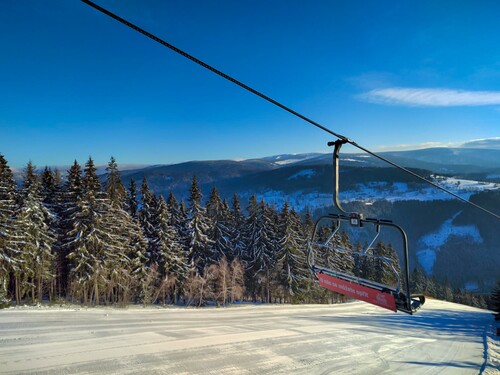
(275, 102)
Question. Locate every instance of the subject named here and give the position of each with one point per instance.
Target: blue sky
(387, 74)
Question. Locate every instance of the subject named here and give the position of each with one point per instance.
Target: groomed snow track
(352, 338)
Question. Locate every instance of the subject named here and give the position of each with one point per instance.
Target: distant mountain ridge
(232, 176)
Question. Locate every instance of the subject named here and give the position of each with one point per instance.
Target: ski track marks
(353, 338)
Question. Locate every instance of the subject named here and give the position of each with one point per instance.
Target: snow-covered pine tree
(74, 187)
(260, 252)
(173, 267)
(308, 225)
(199, 228)
(34, 239)
(114, 187)
(418, 281)
(219, 215)
(147, 221)
(124, 261)
(291, 259)
(338, 255)
(495, 300)
(249, 230)
(71, 193)
(9, 255)
(132, 205)
(226, 231)
(93, 242)
(383, 266)
(236, 228)
(179, 220)
(90, 180)
(52, 194)
(48, 189)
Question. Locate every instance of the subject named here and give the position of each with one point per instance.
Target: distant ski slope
(353, 338)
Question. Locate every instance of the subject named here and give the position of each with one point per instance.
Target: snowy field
(354, 338)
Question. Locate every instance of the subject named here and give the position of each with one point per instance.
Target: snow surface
(288, 161)
(471, 286)
(430, 244)
(307, 173)
(352, 338)
(374, 191)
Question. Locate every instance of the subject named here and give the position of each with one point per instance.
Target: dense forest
(85, 240)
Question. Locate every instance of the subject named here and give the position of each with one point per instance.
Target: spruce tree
(237, 223)
(49, 189)
(34, 239)
(173, 265)
(260, 253)
(133, 206)
(147, 221)
(178, 218)
(291, 260)
(71, 194)
(495, 300)
(9, 255)
(114, 187)
(219, 215)
(199, 228)
(52, 194)
(90, 180)
(92, 240)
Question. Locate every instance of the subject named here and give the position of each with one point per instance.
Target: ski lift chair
(327, 257)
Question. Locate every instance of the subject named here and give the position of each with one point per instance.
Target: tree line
(82, 240)
(95, 242)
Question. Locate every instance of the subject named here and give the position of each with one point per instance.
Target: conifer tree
(179, 220)
(291, 260)
(92, 241)
(495, 300)
(9, 255)
(133, 206)
(74, 186)
(114, 187)
(219, 215)
(34, 239)
(308, 225)
(90, 180)
(199, 228)
(171, 259)
(417, 281)
(147, 221)
(386, 265)
(49, 189)
(52, 194)
(71, 194)
(236, 228)
(261, 250)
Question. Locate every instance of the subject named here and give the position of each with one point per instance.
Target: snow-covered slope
(430, 244)
(353, 338)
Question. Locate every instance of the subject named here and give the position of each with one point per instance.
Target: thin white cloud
(485, 143)
(416, 146)
(429, 97)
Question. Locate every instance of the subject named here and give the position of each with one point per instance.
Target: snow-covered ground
(430, 244)
(353, 338)
(373, 191)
